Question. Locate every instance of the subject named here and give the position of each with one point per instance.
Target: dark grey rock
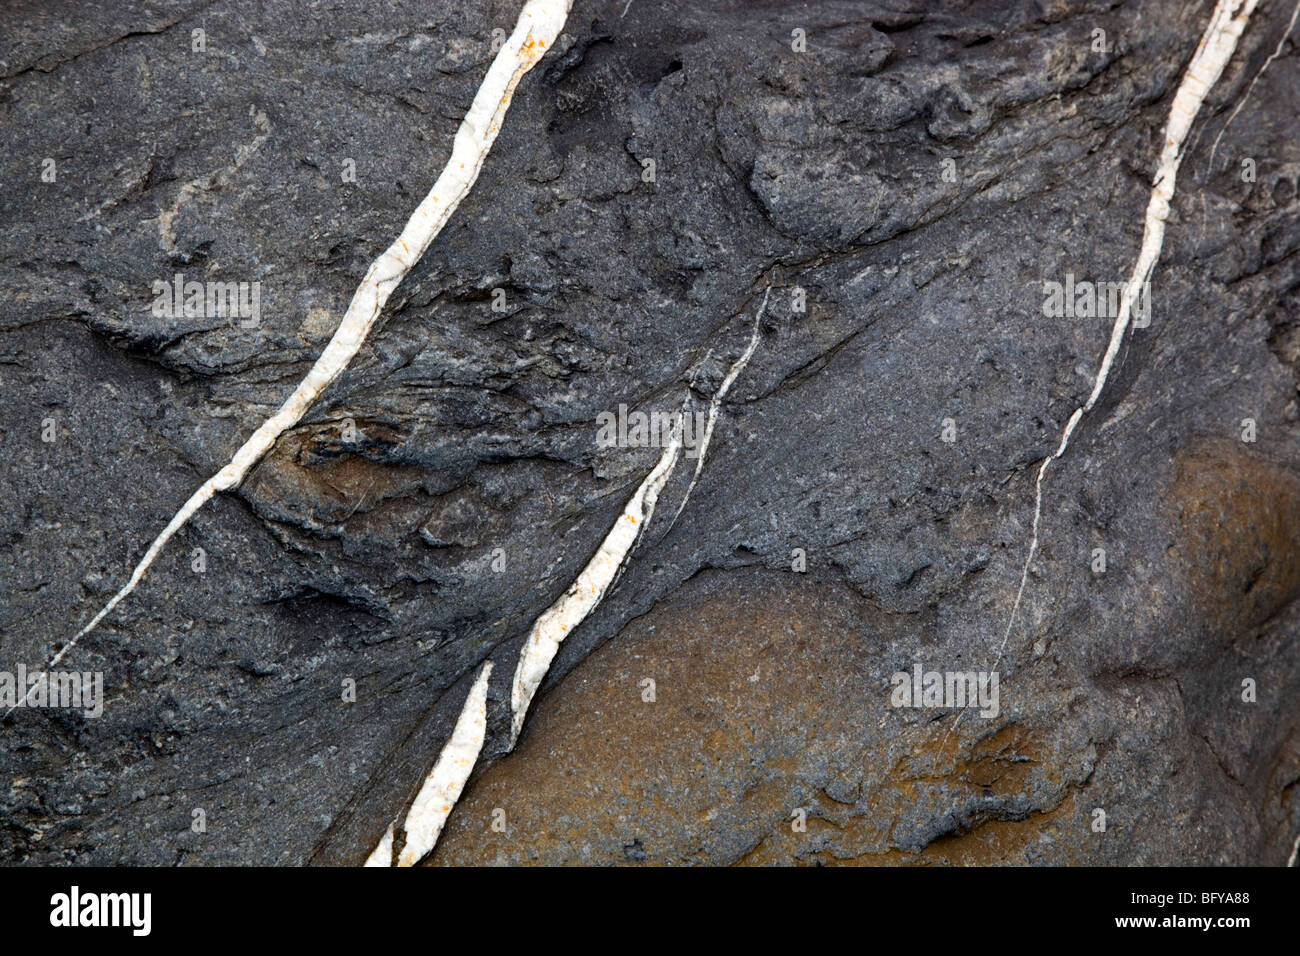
(372, 560)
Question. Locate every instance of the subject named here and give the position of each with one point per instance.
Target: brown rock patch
(768, 696)
(1238, 532)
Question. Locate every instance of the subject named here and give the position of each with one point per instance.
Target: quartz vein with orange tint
(443, 786)
(447, 779)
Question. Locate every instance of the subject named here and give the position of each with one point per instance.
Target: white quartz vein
(1250, 89)
(1212, 55)
(443, 786)
(737, 367)
(538, 26)
(558, 621)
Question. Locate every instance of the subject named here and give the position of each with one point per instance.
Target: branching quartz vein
(558, 621)
(538, 26)
(1212, 55)
(737, 367)
(1295, 13)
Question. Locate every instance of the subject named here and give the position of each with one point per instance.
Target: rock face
(905, 177)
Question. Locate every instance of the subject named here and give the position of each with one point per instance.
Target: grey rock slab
(372, 560)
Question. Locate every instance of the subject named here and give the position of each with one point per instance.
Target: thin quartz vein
(425, 820)
(733, 373)
(582, 597)
(1250, 89)
(1212, 55)
(558, 621)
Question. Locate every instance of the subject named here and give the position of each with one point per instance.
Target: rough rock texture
(373, 559)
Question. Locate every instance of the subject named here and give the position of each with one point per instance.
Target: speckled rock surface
(915, 176)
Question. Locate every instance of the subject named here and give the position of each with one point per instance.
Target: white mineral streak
(559, 620)
(737, 367)
(382, 855)
(556, 623)
(445, 781)
(1250, 89)
(1212, 55)
(443, 786)
(539, 25)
